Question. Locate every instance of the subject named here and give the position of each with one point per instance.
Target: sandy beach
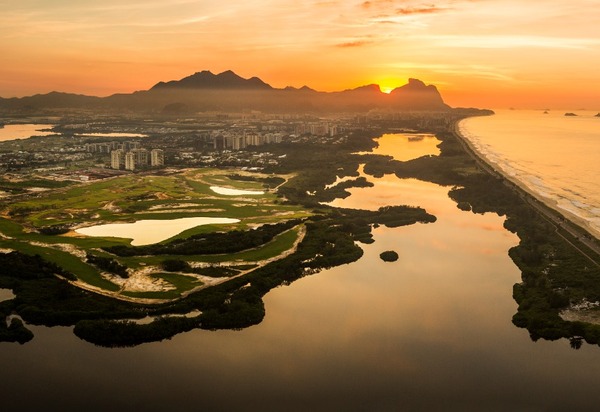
(572, 223)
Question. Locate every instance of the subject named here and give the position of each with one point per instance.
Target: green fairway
(136, 197)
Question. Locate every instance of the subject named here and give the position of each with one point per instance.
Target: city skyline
(496, 53)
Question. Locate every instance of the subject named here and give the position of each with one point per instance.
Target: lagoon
(406, 146)
(146, 232)
(24, 131)
(431, 331)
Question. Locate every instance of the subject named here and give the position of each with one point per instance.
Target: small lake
(6, 294)
(406, 146)
(147, 232)
(234, 192)
(24, 131)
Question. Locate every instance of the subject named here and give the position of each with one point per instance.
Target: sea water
(554, 157)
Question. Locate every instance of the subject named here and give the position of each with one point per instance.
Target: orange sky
(483, 53)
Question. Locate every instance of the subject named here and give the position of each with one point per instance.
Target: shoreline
(575, 226)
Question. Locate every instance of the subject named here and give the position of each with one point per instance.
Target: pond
(234, 192)
(407, 146)
(146, 232)
(6, 294)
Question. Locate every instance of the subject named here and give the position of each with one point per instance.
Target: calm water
(557, 158)
(24, 131)
(234, 192)
(431, 331)
(6, 294)
(407, 146)
(149, 231)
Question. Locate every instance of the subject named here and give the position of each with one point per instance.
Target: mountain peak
(418, 95)
(208, 80)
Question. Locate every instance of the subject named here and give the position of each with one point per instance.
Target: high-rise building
(141, 157)
(157, 157)
(130, 161)
(117, 159)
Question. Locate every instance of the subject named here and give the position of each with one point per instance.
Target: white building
(130, 161)
(117, 159)
(157, 157)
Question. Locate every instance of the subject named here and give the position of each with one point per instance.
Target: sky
(479, 53)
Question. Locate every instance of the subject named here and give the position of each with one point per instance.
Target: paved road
(555, 218)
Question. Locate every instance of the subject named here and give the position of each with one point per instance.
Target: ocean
(554, 157)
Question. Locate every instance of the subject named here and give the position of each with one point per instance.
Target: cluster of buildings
(316, 129)
(238, 140)
(107, 147)
(137, 158)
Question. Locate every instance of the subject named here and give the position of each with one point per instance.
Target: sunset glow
(494, 53)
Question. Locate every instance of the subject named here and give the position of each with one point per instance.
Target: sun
(387, 85)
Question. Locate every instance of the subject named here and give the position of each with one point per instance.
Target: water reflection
(431, 331)
(147, 232)
(24, 131)
(407, 146)
(6, 294)
(235, 192)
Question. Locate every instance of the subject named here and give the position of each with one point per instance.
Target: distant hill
(227, 80)
(226, 91)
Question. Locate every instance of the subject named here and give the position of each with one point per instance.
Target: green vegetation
(37, 225)
(108, 264)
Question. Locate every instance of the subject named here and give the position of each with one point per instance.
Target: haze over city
(495, 53)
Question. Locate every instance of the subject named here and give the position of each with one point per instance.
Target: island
(389, 256)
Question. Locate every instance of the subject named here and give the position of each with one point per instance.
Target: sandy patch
(111, 207)
(142, 281)
(64, 247)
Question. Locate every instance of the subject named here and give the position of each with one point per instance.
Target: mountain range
(226, 91)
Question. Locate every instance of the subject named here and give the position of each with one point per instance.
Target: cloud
(370, 3)
(510, 42)
(405, 11)
(358, 43)
(462, 70)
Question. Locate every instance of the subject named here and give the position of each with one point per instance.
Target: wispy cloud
(406, 11)
(358, 43)
(463, 70)
(510, 42)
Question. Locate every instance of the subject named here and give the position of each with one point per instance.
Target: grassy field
(136, 197)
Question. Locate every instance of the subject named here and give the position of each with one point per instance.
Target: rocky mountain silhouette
(227, 91)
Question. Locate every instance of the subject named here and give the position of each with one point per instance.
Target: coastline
(572, 224)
